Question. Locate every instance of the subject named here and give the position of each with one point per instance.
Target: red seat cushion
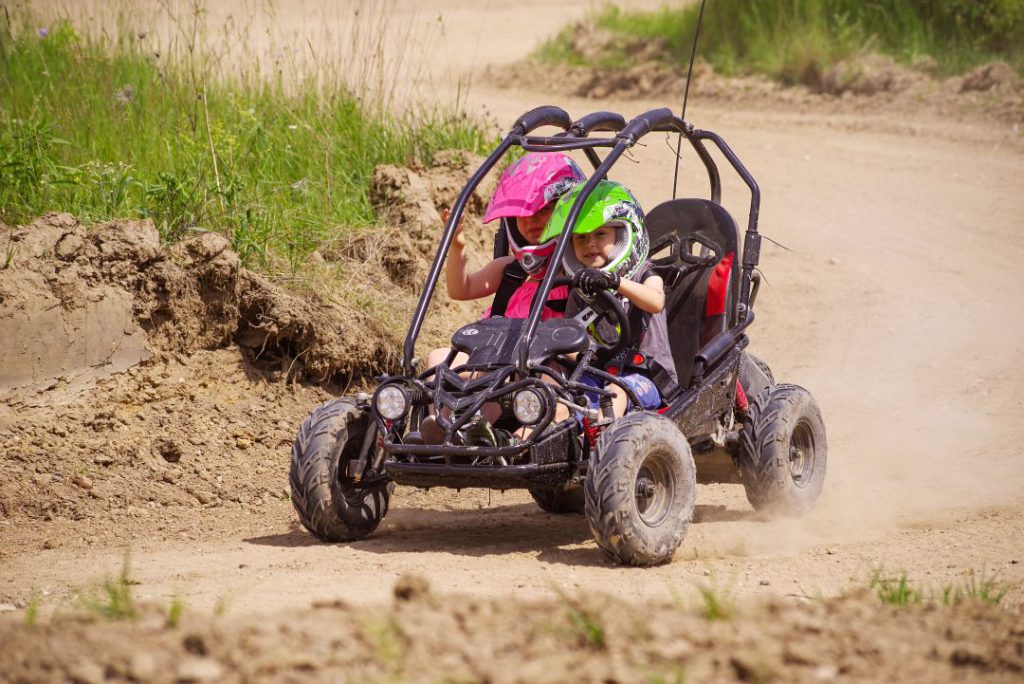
(718, 287)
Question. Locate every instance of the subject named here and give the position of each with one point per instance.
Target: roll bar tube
(656, 120)
(642, 124)
(547, 115)
(752, 239)
(596, 121)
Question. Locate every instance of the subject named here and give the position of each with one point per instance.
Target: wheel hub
(801, 454)
(645, 488)
(653, 490)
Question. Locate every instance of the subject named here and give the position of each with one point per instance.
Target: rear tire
(640, 489)
(783, 451)
(328, 502)
(559, 500)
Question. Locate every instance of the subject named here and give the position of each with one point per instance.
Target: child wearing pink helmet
(524, 199)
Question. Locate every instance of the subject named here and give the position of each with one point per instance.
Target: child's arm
(648, 295)
(462, 285)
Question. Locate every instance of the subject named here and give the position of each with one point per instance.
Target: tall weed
(106, 127)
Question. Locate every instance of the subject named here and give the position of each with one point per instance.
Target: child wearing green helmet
(609, 251)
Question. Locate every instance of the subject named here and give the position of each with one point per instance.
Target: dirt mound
(590, 639)
(869, 74)
(868, 82)
(142, 449)
(77, 301)
(993, 76)
(157, 374)
(413, 196)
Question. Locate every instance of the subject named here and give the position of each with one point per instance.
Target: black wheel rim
(801, 454)
(654, 489)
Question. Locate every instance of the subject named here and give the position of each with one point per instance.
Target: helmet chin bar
(532, 263)
(533, 258)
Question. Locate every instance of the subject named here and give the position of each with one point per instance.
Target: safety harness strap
(511, 278)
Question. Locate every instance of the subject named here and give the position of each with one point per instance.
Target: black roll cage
(574, 137)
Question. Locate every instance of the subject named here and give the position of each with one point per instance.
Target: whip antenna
(686, 93)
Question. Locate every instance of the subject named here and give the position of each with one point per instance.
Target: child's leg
(430, 431)
(645, 390)
(438, 355)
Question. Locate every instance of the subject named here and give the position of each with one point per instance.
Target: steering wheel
(611, 309)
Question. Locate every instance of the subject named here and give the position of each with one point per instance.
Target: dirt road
(895, 301)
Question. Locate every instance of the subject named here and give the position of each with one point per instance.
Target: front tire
(640, 489)
(328, 501)
(783, 451)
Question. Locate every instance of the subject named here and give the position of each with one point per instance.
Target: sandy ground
(895, 301)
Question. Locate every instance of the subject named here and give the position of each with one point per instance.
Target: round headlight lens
(528, 406)
(392, 402)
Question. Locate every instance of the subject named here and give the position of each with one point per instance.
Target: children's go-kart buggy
(633, 476)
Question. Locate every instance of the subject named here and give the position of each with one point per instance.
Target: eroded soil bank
(422, 637)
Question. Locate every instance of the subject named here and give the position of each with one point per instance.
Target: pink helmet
(526, 187)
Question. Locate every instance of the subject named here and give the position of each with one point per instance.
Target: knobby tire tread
(323, 446)
(764, 443)
(610, 483)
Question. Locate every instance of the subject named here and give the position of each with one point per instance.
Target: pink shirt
(520, 301)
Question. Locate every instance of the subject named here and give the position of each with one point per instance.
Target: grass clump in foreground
(112, 598)
(716, 604)
(796, 41)
(899, 591)
(106, 128)
(894, 591)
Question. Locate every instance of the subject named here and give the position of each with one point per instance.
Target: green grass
(715, 604)
(385, 634)
(675, 675)
(174, 612)
(898, 590)
(32, 609)
(895, 591)
(797, 40)
(104, 128)
(587, 627)
(983, 587)
(112, 598)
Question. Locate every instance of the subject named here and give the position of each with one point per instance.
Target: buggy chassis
(350, 451)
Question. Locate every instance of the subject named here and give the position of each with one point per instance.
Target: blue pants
(646, 392)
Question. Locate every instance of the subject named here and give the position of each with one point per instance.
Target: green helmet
(610, 203)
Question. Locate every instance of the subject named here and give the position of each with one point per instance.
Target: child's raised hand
(460, 238)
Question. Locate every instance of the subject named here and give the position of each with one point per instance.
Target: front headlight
(392, 402)
(528, 406)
